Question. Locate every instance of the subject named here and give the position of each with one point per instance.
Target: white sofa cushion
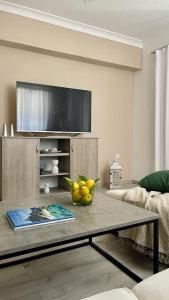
(155, 287)
(116, 294)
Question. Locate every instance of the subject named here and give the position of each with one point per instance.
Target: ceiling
(136, 18)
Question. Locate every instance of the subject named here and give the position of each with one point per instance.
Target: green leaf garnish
(69, 181)
(82, 178)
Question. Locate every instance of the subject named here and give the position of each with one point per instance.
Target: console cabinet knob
(37, 149)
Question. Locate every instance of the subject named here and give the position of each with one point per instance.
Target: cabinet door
(83, 158)
(20, 168)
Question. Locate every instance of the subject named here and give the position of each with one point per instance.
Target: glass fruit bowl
(82, 191)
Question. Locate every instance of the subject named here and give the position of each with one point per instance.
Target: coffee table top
(104, 214)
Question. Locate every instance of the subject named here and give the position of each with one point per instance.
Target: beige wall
(143, 119)
(34, 35)
(144, 106)
(33, 51)
(112, 96)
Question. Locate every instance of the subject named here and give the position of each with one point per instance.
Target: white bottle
(12, 131)
(5, 133)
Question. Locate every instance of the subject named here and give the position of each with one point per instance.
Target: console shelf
(53, 191)
(49, 174)
(54, 154)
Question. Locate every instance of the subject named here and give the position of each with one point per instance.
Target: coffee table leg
(156, 246)
(90, 239)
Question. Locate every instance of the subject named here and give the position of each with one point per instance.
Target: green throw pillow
(157, 181)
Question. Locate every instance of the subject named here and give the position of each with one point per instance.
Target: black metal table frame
(89, 242)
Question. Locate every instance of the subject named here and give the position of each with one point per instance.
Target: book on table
(29, 217)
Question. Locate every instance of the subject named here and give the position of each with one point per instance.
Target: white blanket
(153, 201)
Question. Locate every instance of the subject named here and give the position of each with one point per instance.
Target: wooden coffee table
(106, 215)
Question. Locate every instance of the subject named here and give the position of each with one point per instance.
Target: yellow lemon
(90, 183)
(75, 186)
(76, 195)
(87, 198)
(84, 190)
(81, 183)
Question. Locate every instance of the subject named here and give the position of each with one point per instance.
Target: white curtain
(162, 109)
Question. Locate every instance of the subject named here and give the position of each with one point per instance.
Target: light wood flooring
(72, 275)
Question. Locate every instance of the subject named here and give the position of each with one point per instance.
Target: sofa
(155, 287)
(140, 238)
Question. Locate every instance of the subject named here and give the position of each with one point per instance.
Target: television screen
(52, 108)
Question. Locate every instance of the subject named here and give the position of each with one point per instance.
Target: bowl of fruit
(82, 190)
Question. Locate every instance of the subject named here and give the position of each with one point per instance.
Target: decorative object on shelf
(50, 151)
(12, 131)
(44, 151)
(115, 173)
(58, 151)
(41, 167)
(47, 189)
(54, 150)
(82, 191)
(5, 133)
(55, 169)
(47, 165)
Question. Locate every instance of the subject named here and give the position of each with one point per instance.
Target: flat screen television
(44, 108)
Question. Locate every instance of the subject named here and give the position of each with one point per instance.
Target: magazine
(28, 217)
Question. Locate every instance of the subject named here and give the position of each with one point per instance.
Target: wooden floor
(72, 275)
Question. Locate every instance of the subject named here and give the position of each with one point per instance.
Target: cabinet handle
(71, 148)
(37, 149)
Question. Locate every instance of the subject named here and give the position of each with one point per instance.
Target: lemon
(75, 186)
(76, 195)
(84, 190)
(81, 183)
(90, 183)
(87, 198)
